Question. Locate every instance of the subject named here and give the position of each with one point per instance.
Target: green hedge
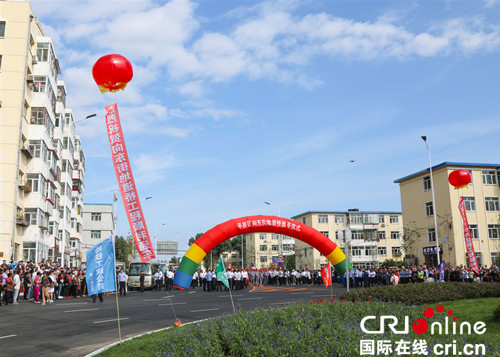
(425, 293)
(320, 328)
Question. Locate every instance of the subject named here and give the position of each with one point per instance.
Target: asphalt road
(76, 327)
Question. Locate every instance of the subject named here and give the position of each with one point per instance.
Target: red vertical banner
(326, 275)
(471, 255)
(127, 186)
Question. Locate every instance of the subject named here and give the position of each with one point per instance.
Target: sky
(237, 103)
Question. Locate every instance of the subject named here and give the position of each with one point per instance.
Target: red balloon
(112, 73)
(459, 178)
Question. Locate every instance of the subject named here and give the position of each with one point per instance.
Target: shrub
(318, 328)
(426, 293)
(496, 314)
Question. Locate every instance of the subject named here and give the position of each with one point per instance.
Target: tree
(290, 262)
(174, 260)
(193, 239)
(123, 249)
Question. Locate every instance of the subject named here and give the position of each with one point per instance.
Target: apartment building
(263, 249)
(481, 200)
(42, 163)
(98, 224)
(375, 237)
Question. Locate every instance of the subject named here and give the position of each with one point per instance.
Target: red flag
(126, 182)
(326, 275)
(471, 255)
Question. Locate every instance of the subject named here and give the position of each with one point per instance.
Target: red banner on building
(471, 255)
(326, 275)
(126, 182)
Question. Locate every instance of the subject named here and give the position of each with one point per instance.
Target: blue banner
(100, 272)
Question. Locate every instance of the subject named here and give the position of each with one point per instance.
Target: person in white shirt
(158, 279)
(244, 278)
(17, 286)
(122, 279)
(170, 279)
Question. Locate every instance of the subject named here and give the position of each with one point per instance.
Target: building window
(478, 258)
(263, 259)
(381, 235)
(322, 218)
(262, 236)
(2, 28)
(0, 62)
(339, 219)
(474, 233)
(431, 235)
(382, 251)
(429, 211)
(326, 233)
(95, 216)
(395, 235)
(396, 251)
(494, 258)
(493, 231)
(95, 234)
(356, 218)
(275, 236)
(368, 251)
(470, 203)
(275, 248)
(381, 218)
(489, 177)
(304, 220)
(357, 235)
(394, 220)
(263, 248)
(492, 204)
(356, 252)
(427, 183)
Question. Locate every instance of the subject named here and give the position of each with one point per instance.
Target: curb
(102, 349)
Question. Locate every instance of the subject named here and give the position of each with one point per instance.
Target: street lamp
(280, 240)
(87, 117)
(156, 232)
(434, 208)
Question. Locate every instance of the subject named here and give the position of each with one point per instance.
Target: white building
(98, 224)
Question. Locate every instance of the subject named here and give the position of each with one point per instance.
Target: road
(76, 327)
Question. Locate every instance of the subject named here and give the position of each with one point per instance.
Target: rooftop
(448, 163)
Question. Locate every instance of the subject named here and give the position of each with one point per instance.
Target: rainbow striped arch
(253, 224)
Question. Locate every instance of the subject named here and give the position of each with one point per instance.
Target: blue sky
(234, 103)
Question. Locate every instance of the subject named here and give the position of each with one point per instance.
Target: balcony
(27, 152)
(22, 222)
(25, 186)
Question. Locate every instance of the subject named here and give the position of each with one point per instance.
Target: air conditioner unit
(30, 78)
(382, 225)
(35, 59)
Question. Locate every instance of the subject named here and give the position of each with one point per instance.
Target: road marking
(82, 310)
(174, 303)
(256, 298)
(305, 292)
(162, 299)
(168, 296)
(72, 303)
(205, 310)
(228, 295)
(191, 292)
(100, 322)
(7, 336)
(284, 303)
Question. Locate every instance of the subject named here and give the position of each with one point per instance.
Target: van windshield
(137, 268)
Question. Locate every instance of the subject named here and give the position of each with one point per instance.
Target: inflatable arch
(252, 224)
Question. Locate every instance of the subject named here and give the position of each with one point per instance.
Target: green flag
(219, 272)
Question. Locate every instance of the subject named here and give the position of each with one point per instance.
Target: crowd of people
(41, 282)
(46, 281)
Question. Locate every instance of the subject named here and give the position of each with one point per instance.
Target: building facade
(481, 200)
(263, 249)
(98, 224)
(375, 237)
(42, 163)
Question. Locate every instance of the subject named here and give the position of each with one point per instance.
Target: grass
(311, 322)
(474, 310)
